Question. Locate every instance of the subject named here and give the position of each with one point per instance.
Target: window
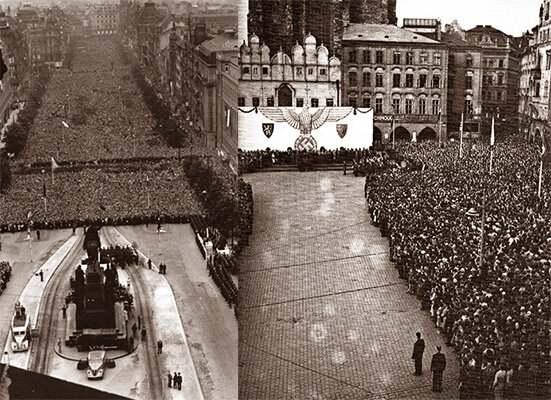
(265, 70)
(451, 59)
(409, 80)
(352, 78)
(367, 57)
(397, 57)
(423, 80)
(436, 81)
(499, 95)
(436, 106)
(490, 63)
(329, 102)
(379, 105)
(315, 103)
(396, 106)
(255, 70)
(299, 71)
(352, 102)
(423, 58)
(310, 71)
(352, 56)
(300, 102)
(366, 79)
(500, 79)
(366, 102)
(468, 82)
(379, 57)
(500, 63)
(241, 102)
(437, 58)
(256, 101)
(270, 101)
(409, 58)
(396, 80)
(409, 106)
(246, 70)
(422, 106)
(323, 71)
(379, 80)
(468, 106)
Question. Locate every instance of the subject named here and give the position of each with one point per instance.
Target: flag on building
(54, 164)
(493, 135)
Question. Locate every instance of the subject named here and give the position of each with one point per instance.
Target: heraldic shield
(342, 129)
(268, 129)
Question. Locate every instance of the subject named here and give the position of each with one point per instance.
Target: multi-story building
(307, 76)
(534, 102)
(500, 78)
(401, 75)
(464, 83)
(104, 19)
(283, 23)
(227, 87)
(207, 82)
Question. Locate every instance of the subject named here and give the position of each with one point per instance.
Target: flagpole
(440, 126)
(393, 133)
(541, 177)
(492, 140)
(461, 138)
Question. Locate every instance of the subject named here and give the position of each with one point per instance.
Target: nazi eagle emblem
(305, 122)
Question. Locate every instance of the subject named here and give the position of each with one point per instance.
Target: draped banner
(304, 128)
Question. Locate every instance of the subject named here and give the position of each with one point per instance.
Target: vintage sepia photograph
(399, 162)
(121, 211)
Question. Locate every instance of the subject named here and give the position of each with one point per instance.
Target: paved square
(322, 311)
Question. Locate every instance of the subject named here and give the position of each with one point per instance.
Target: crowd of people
(100, 102)
(250, 161)
(475, 249)
(128, 192)
(221, 275)
(5, 274)
(120, 256)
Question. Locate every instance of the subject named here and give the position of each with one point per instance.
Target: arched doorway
(426, 134)
(401, 134)
(377, 134)
(284, 96)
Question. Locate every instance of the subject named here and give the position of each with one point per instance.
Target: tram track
(52, 301)
(155, 374)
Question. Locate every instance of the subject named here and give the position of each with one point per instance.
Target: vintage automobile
(20, 329)
(95, 364)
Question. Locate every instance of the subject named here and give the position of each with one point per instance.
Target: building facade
(500, 77)
(401, 75)
(104, 19)
(283, 23)
(308, 76)
(534, 98)
(227, 72)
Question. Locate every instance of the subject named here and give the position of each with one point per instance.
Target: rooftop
(221, 43)
(384, 33)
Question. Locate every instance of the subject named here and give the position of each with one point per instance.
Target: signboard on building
(304, 128)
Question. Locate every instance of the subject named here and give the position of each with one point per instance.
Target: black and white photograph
(119, 199)
(398, 156)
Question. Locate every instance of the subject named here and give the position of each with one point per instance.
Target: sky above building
(510, 16)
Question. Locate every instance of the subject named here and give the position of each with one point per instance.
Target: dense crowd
(5, 274)
(100, 102)
(120, 256)
(491, 299)
(132, 192)
(250, 161)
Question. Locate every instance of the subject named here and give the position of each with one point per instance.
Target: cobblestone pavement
(322, 311)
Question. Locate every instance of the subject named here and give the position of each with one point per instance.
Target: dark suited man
(437, 366)
(418, 349)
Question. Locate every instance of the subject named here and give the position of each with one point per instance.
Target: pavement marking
(380, 253)
(323, 295)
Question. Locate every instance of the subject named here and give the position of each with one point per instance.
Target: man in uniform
(437, 366)
(418, 349)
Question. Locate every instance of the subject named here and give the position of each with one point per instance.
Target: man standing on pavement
(159, 346)
(418, 349)
(437, 366)
(179, 381)
(175, 380)
(169, 380)
(41, 276)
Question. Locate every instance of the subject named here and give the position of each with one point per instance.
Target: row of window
(422, 106)
(422, 82)
(299, 102)
(397, 57)
(298, 71)
(493, 95)
(468, 81)
(489, 63)
(489, 79)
